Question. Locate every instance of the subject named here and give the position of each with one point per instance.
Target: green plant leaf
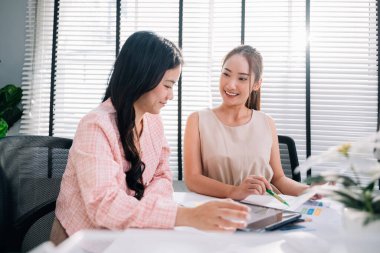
(10, 95)
(3, 127)
(369, 187)
(11, 115)
(315, 179)
(376, 206)
(371, 218)
(345, 180)
(349, 199)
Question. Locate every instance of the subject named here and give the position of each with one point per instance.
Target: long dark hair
(255, 62)
(139, 68)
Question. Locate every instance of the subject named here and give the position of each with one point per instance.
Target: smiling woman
(232, 150)
(243, 70)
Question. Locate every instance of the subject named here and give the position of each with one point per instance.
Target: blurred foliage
(10, 97)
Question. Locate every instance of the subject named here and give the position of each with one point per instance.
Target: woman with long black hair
(117, 175)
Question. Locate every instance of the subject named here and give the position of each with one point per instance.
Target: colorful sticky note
(317, 211)
(310, 211)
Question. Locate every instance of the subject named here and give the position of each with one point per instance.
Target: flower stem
(367, 196)
(357, 178)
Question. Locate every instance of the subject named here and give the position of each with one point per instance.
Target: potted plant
(361, 202)
(10, 97)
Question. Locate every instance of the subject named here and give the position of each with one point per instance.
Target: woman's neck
(138, 121)
(233, 115)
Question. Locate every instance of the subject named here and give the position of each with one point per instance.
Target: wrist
(303, 188)
(183, 216)
(231, 192)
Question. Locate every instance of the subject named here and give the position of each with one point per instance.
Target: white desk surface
(323, 234)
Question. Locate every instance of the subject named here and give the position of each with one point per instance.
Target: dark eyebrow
(171, 81)
(238, 73)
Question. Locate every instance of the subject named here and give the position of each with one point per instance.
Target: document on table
(270, 201)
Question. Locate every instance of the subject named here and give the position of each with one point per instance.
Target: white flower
(361, 156)
(331, 155)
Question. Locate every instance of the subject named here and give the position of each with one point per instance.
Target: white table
(323, 235)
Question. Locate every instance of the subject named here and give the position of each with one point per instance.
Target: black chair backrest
(289, 157)
(31, 168)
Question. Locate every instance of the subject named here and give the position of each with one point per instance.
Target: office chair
(289, 158)
(31, 168)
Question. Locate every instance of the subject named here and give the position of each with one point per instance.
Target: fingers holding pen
(256, 185)
(264, 180)
(259, 183)
(252, 184)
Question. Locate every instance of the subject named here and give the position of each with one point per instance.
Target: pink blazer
(93, 191)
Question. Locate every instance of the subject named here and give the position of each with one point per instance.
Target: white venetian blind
(344, 84)
(343, 60)
(36, 69)
(210, 30)
(277, 30)
(85, 55)
(160, 17)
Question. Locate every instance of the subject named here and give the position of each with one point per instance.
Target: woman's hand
(214, 215)
(319, 195)
(250, 185)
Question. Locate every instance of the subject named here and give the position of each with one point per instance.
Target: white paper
(269, 201)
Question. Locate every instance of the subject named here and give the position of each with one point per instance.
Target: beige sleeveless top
(230, 154)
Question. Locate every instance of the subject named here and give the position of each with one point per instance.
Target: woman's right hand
(250, 185)
(214, 215)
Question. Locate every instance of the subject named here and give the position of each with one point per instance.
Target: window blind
(85, 55)
(36, 70)
(210, 30)
(344, 81)
(162, 18)
(277, 30)
(343, 60)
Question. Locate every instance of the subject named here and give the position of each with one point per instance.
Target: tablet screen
(266, 218)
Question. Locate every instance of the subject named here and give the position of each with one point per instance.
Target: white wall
(12, 38)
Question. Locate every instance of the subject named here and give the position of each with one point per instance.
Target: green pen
(277, 197)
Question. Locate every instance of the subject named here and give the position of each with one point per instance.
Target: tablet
(267, 219)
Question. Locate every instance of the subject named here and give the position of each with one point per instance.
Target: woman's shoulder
(98, 125)
(104, 114)
(202, 116)
(265, 118)
(194, 115)
(262, 115)
(204, 113)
